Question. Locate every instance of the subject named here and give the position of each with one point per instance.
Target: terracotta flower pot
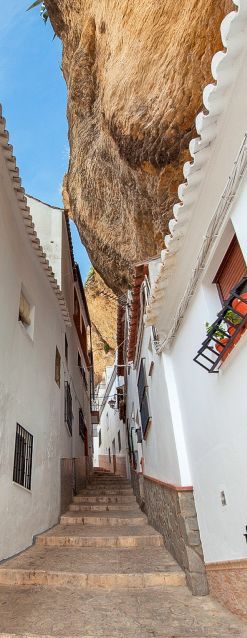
(239, 305)
(218, 346)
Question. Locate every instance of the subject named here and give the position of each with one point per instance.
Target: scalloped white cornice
(233, 35)
(24, 209)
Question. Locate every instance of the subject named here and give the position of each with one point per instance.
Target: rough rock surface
(135, 73)
(102, 305)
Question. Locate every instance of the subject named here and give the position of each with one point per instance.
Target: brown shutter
(231, 270)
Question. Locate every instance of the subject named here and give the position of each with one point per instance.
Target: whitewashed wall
(29, 394)
(159, 449)
(110, 425)
(214, 414)
(52, 230)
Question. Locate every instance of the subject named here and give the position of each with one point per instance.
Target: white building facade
(190, 468)
(37, 448)
(111, 449)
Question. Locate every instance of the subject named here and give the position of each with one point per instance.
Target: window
(23, 457)
(66, 348)
(76, 306)
(100, 438)
(109, 454)
(119, 440)
(79, 362)
(26, 313)
(143, 398)
(68, 415)
(231, 270)
(80, 327)
(82, 370)
(82, 425)
(226, 331)
(58, 367)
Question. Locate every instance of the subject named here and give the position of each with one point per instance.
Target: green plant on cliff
(43, 9)
(106, 347)
(90, 274)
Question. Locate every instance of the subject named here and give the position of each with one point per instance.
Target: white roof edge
(36, 199)
(200, 149)
(24, 209)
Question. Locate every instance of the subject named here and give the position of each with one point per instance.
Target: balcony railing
(226, 330)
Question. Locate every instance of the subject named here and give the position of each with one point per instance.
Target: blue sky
(33, 97)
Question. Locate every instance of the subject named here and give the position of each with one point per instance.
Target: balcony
(226, 331)
(95, 413)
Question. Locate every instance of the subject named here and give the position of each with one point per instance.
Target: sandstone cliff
(102, 305)
(135, 72)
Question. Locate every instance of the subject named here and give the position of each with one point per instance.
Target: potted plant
(219, 335)
(240, 305)
(236, 320)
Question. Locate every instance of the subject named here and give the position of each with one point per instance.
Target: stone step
(109, 568)
(103, 507)
(91, 536)
(104, 518)
(108, 486)
(107, 492)
(107, 480)
(50, 612)
(104, 499)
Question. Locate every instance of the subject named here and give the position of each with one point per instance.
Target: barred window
(58, 367)
(22, 472)
(68, 414)
(143, 398)
(66, 348)
(119, 441)
(82, 425)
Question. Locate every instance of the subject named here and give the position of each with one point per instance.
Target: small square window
(26, 313)
(22, 472)
(58, 367)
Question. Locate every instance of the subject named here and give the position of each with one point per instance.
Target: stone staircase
(102, 572)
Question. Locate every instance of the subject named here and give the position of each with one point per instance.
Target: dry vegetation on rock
(102, 305)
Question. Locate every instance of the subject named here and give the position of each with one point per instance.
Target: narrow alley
(127, 584)
(123, 323)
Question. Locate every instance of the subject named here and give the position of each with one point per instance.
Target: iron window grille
(119, 441)
(82, 425)
(66, 348)
(82, 370)
(22, 472)
(68, 414)
(58, 367)
(143, 398)
(226, 330)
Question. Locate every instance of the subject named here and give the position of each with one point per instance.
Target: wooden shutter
(231, 270)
